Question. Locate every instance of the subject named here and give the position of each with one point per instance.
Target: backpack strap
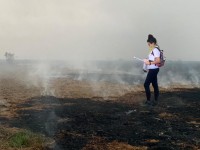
(153, 53)
(157, 48)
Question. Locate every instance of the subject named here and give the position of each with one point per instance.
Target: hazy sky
(99, 29)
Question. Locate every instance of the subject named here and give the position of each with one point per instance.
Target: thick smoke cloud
(100, 29)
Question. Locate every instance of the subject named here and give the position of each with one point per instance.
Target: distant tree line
(9, 57)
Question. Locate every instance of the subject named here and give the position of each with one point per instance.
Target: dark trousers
(152, 78)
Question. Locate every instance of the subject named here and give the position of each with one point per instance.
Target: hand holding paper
(144, 64)
(146, 61)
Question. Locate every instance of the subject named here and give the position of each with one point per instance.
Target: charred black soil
(92, 124)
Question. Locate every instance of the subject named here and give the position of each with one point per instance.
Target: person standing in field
(153, 69)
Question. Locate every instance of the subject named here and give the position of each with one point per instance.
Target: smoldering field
(97, 105)
(94, 79)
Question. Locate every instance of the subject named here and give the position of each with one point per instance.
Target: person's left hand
(146, 61)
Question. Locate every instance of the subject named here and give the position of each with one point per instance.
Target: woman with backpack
(153, 69)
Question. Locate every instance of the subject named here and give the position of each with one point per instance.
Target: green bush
(25, 139)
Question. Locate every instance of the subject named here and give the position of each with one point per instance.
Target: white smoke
(40, 75)
(195, 78)
(180, 74)
(107, 78)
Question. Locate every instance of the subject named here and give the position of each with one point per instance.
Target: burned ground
(80, 114)
(96, 124)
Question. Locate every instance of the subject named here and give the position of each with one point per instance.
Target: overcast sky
(99, 29)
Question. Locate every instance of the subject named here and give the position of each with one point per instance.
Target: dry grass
(17, 139)
(98, 143)
(166, 115)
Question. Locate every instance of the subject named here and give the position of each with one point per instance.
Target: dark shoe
(148, 103)
(154, 103)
